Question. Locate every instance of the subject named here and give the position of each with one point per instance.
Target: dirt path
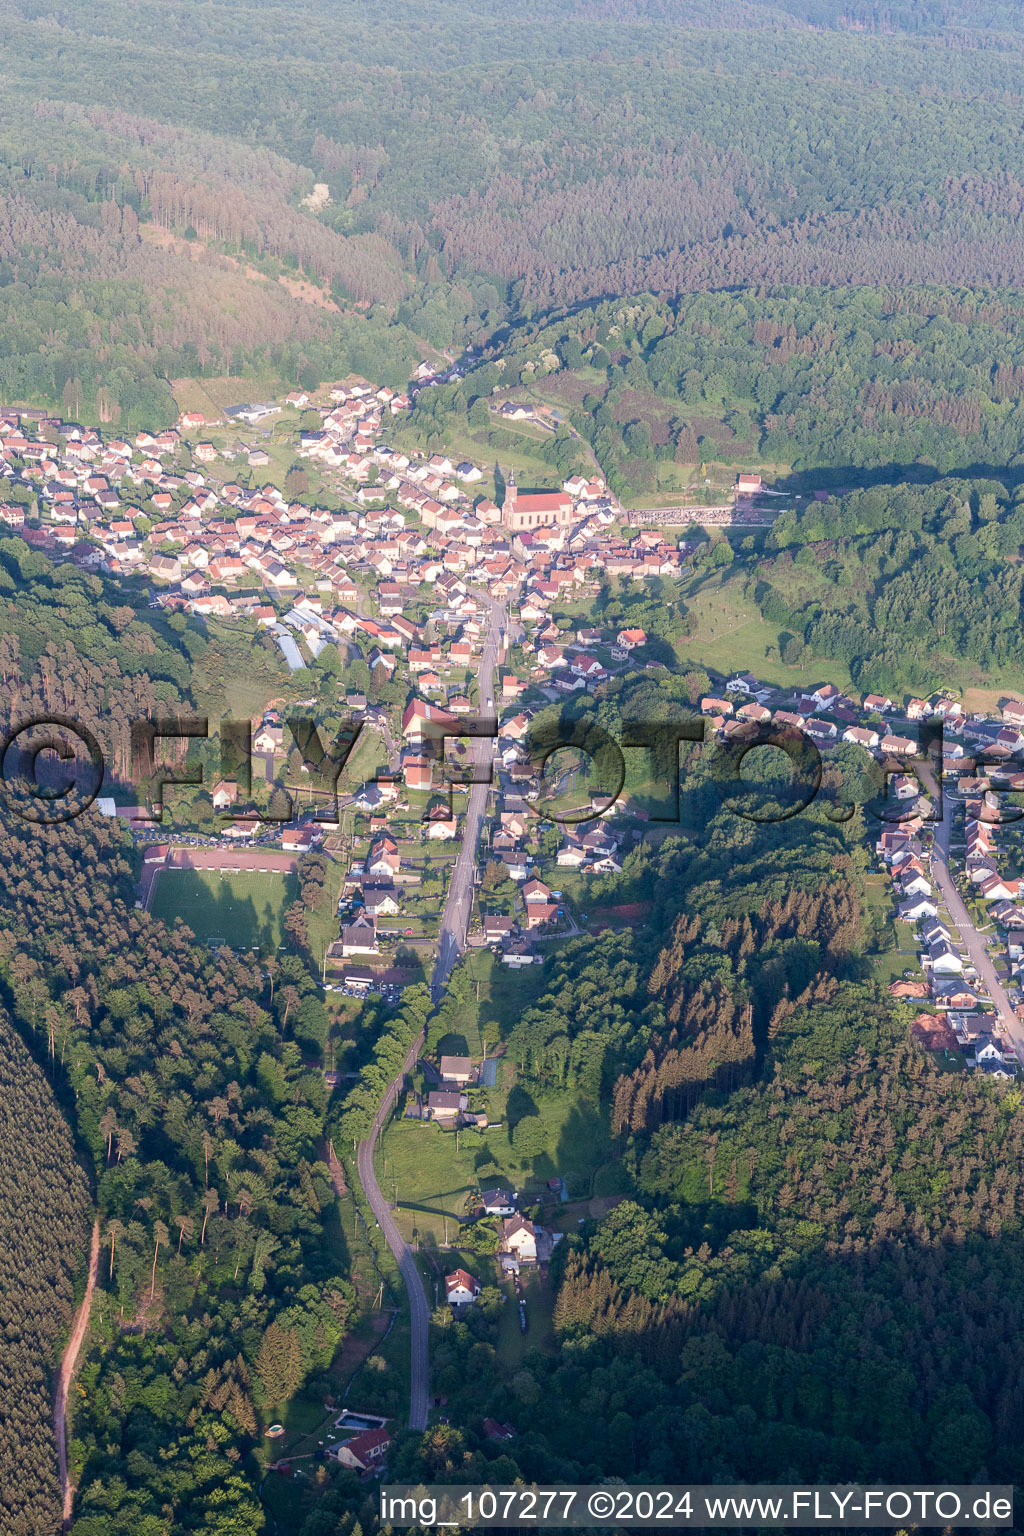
(336, 1171)
(67, 1371)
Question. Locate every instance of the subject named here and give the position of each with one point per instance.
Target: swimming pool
(358, 1421)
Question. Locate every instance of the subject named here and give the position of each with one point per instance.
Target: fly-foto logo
(52, 767)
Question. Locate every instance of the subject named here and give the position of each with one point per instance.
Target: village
(406, 577)
(403, 574)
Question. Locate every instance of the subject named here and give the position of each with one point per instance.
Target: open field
(211, 396)
(238, 909)
(729, 635)
(529, 467)
(984, 700)
(433, 1181)
(498, 997)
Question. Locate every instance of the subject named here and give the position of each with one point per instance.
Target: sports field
(238, 909)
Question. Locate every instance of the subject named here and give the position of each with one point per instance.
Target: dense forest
(855, 381)
(906, 584)
(182, 1075)
(43, 1233)
(168, 1090)
(155, 189)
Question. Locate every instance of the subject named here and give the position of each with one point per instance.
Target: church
(545, 509)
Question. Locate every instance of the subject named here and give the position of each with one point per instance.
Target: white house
(498, 1202)
(943, 959)
(461, 1288)
(518, 1237)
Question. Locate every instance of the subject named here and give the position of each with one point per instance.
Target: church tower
(508, 506)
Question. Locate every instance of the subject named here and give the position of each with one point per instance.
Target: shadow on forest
(849, 477)
(863, 1366)
(583, 1143)
(518, 1105)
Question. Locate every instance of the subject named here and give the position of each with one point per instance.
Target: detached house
(359, 938)
(446, 1107)
(518, 1237)
(456, 1069)
(498, 1202)
(461, 1288)
(943, 960)
(365, 1451)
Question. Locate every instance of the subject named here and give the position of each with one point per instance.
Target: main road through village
(451, 942)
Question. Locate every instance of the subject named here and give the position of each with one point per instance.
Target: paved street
(459, 903)
(419, 1312)
(452, 940)
(971, 940)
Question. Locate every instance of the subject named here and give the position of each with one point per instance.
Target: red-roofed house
(422, 719)
(461, 1288)
(365, 1451)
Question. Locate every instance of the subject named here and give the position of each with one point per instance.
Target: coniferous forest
(155, 164)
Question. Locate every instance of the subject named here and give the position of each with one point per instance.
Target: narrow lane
(451, 942)
(419, 1312)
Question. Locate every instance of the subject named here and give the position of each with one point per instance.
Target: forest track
(67, 1371)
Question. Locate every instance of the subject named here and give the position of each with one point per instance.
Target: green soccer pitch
(240, 909)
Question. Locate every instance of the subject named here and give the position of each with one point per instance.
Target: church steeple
(508, 506)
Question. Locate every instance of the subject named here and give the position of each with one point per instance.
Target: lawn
(368, 755)
(499, 995)
(730, 636)
(434, 1182)
(419, 1164)
(530, 469)
(539, 1296)
(242, 910)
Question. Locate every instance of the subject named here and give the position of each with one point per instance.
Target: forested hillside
(819, 1222)
(182, 1075)
(90, 649)
(156, 164)
(867, 384)
(44, 1200)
